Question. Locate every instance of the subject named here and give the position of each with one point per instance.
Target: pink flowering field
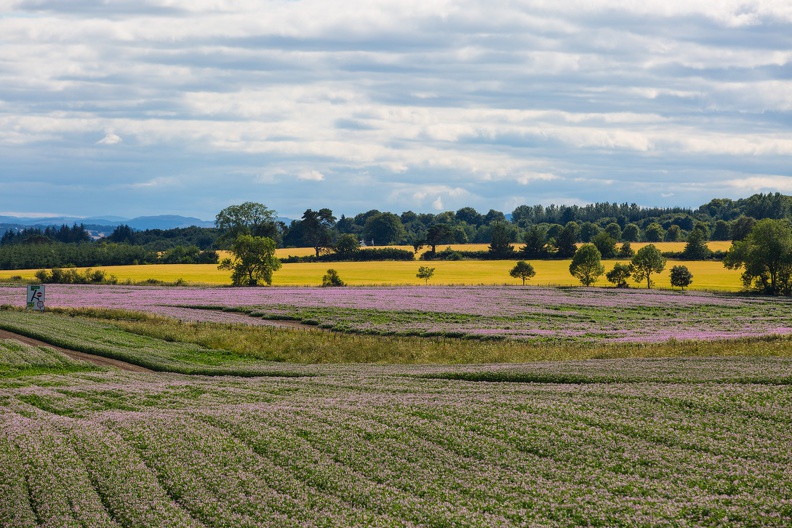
(697, 442)
(620, 442)
(533, 313)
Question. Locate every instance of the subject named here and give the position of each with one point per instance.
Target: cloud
(110, 138)
(437, 205)
(311, 175)
(757, 184)
(469, 101)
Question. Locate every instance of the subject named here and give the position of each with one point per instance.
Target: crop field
(707, 275)
(533, 314)
(654, 418)
(682, 442)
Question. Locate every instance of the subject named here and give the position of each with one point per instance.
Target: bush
(331, 279)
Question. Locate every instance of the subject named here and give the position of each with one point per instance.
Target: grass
(168, 345)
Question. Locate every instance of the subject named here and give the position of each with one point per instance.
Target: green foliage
(631, 233)
(606, 244)
(522, 270)
(425, 273)
(619, 274)
(586, 265)
(73, 276)
(535, 239)
(654, 232)
(766, 255)
(696, 247)
(500, 245)
(384, 229)
(647, 260)
(438, 234)
(681, 277)
(565, 242)
(249, 218)
(347, 245)
(316, 228)
(254, 260)
(332, 279)
(625, 251)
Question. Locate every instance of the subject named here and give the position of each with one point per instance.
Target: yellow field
(707, 275)
(662, 246)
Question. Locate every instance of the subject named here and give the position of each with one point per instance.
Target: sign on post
(35, 297)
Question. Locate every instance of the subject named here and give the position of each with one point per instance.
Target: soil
(96, 360)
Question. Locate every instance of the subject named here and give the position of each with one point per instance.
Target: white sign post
(35, 297)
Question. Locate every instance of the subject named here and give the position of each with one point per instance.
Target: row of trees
(765, 255)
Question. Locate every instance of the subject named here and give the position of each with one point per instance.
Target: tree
(586, 265)
(565, 242)
(500, 244)
(384, 229)
(317, 227)
(625, 251)
(470, 216)
(588, 231)
(673, 233)
(614, 230)
(721, 231)
(696, 247)
(605, 244)
(425, 273)
(741, 227)
(122, 234)
(654, 232)
(619, 274)
(522, 270)
(254, 260)
(631, 233)
(438, 234)
(249, 218)
(647, 260)
(681, 277)
(347, 245)
(331, 278)
(535, 241)
(766, 255)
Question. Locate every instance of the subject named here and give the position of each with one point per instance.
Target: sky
(146, 107)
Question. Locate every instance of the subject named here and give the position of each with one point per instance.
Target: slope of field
(707, 445)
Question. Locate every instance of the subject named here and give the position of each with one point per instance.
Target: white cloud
(311, 175)
(437, 205)
(756, 184)
(110, 138)
(472, 100)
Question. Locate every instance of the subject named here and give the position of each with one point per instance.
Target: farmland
(396, 406)
(701, 442)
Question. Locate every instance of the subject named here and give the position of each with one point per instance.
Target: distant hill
(140, 222)
(105, 224)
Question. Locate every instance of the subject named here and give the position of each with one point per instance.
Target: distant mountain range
(105, 223)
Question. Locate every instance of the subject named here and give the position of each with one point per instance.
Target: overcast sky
(145, 107)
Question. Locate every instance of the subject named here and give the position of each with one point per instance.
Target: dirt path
(96, 360)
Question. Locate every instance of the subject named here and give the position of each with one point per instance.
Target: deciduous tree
(522, 270)
(425, 273)
(254, 260)
(586, 264)
(249, 218)
(681, 277)
(647, 261)
(766, 255)
(619, 274)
